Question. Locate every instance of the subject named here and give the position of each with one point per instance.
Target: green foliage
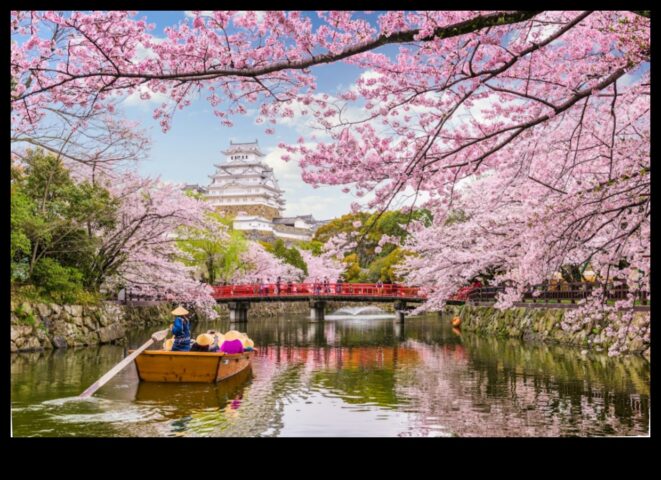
(314, 246)
(352, 272)
(383, 268)
(22, 213)
(216, 256)
(56, 281)
(55, 222)
(290, 255)
(33, 294)
(343, 224)
(364, 263)
(24, 317)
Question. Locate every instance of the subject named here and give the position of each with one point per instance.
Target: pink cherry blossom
(526, 134)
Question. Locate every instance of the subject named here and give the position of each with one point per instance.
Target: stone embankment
(44, 326)
(544, 324)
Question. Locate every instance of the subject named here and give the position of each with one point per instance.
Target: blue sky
(187, 152)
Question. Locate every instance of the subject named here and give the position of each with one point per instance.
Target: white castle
(246, 188)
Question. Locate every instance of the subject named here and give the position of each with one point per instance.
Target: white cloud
(365, 76)
(134, 99)
(143, 53)
(302, 199)
(261, 14)
(204, 13)
(288, 173)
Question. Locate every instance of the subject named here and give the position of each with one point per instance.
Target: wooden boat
(201, 367)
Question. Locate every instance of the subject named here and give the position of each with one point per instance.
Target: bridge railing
(558, 293)
(308, 289)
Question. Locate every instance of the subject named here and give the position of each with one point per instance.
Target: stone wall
(45, 326)
(259, 210)
(147, 316)
(288, 229)
(543, 324)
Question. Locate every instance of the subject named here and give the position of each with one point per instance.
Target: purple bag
(232, 346)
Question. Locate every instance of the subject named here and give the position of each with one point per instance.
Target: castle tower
(243, 184)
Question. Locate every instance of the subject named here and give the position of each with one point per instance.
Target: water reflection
(345, 378)
(369, 312)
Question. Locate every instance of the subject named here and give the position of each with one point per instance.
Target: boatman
(181, 330)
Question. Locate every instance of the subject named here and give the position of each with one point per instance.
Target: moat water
(345, 377)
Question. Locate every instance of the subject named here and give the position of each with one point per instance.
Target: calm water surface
(354, 377)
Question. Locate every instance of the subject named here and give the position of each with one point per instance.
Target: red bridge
(239, 297)
(300, 291)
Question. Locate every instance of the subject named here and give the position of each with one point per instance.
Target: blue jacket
(181, 327)
(181, 332)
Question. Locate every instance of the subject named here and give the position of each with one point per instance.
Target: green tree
(215, 249)
(366, 262)
(314, 246)
(57, 218)
(289, 255)
(352, 272)
(60, 283)
(383, 268)
(22, 213)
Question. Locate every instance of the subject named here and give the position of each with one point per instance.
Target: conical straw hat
(179, 311)
(204, 340)
(233, 335)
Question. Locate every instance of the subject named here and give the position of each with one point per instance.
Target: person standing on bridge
(338, 285)
(277, 286)
(181, 330)
(326, 285)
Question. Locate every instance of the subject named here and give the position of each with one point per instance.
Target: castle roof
(248, 147)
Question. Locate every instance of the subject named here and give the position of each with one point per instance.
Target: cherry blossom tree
(140, 253)
(547, 113)
(322, 266)
(260, 265)
(98, 141)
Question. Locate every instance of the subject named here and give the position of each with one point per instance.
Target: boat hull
(196, 367)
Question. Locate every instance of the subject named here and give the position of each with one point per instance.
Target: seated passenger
(202, 343)
(218, 339)
(232, 343)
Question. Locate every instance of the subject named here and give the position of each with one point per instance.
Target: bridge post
(238, 311)
(400, 308)
(317, 309)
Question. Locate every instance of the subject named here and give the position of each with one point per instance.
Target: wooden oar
(156, 337)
